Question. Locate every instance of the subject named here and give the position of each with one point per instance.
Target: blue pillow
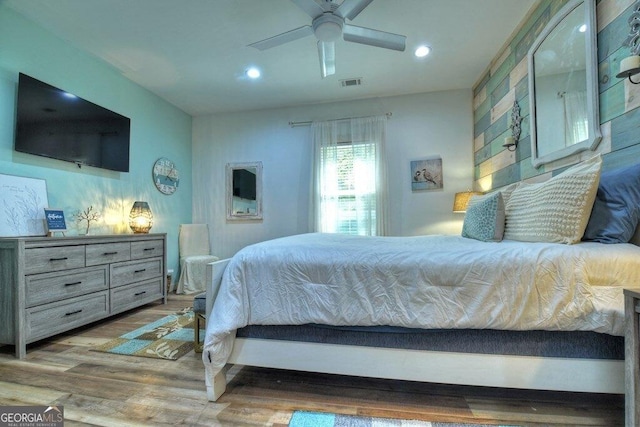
(616, 210)
(484, 220)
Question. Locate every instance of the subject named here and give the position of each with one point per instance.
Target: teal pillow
(484, 220)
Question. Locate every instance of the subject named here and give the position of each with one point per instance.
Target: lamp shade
(140, 217)
(461, 200)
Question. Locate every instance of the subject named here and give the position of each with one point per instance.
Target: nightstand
(632, 356)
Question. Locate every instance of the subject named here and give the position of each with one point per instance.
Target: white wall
(421, 126)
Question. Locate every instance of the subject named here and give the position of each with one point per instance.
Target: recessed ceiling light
(422, 51)
(583, 28)
(253, 73)
(69, 95)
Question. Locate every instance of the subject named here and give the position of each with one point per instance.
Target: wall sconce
(461, 200)
(630, 66)
(511, 142)
(140, 217)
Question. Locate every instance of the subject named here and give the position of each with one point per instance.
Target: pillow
(505, 191)
(616, 210)
(556, 210)
(484, 219)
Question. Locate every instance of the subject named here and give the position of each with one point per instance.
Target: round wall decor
(165, 176)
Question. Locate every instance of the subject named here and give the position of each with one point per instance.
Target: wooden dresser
(632, 356)
(50, 285)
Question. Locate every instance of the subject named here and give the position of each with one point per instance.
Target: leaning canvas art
(22, 203)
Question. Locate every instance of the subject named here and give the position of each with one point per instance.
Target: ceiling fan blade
(377, 38)
(349, 9)
(327, 55)
(283, 38)
(310, 7)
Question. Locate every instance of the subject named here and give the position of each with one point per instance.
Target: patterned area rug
(318, 419)
(168, 338)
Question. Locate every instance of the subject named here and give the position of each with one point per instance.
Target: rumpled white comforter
(428, 282)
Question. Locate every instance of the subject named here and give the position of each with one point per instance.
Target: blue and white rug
(320, 419)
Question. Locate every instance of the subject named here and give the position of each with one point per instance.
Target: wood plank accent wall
(506, 81)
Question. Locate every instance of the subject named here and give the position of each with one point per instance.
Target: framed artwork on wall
(22, 204)
(426, 174)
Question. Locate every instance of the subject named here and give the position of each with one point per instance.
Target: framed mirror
(563, 85)
(244, 191)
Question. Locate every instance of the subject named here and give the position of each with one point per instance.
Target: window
(349, 190)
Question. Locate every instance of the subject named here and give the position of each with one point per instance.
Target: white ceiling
(194, 53)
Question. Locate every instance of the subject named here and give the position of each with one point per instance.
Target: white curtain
(575, 117)
(349, 176)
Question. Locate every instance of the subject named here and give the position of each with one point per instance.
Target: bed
(443, 309)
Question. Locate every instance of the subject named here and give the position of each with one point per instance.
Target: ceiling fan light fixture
(328, 27)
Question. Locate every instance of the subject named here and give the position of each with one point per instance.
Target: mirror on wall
(563, 85)
(244, 191)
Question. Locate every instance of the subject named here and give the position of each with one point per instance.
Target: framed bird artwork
(426, 174)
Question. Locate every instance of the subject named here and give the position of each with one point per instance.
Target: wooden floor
(111, 390)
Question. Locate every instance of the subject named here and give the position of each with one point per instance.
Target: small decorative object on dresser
(55, 221)
(632, 356)
(49, 286)
(88, 215)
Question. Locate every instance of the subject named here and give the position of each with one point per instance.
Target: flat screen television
(244, 184)
(53, 123)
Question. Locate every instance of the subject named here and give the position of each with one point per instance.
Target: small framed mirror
(563, 86)
(244, 191)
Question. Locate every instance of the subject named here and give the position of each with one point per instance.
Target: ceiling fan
(329, 25)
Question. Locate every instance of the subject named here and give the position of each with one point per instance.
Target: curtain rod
(308, 123)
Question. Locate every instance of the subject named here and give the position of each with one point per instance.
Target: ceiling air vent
(351, 82)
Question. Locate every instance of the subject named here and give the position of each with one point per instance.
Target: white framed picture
(22, 204)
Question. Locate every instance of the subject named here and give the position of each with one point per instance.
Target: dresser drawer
(49, 287)
(147, 249)
(105, 253)
(126, 297)
(49, 319)
(124, 273)
(55, 258)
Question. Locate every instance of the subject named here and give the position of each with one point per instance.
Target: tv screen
(53, 123)
(244, 184)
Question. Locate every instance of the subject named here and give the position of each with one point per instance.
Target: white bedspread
(424, 282)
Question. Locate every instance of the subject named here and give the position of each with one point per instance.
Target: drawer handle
(72, 284)
(59, 259)
(110, 253)
(73, 312)
(149, 249)
(140, 271)
(140, 293)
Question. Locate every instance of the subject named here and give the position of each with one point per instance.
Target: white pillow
(557, 210)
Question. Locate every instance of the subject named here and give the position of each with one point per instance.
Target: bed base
(490, 370)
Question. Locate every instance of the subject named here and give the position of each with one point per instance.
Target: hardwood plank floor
(111, 390)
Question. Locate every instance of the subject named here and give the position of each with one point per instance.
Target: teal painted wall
(506, 81)
(158, 129)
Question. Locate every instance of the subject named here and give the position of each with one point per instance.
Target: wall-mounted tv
(53, 123)
(244, 184)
